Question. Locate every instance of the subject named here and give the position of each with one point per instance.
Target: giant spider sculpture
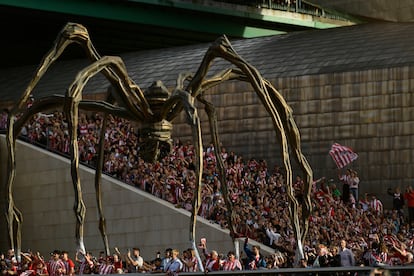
(155, 110)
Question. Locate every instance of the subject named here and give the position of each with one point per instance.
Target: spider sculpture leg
(98, 187)
(15, 124)
(77, 33)
(193, 120)
(72, 33)
(228, 74)
(71, 111)
(294, 138)
(107, 107)
(281, 116)
(73, 99)
(13, 215)
(212, 117)
(44, 104)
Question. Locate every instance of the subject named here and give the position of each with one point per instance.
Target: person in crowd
(376, 205)
(346, 182)
(354, 185)
(397, 200)
(322, 257)
(134, 260)
(277, 260)
(190, 262)
(347, 257)
(85, 262)
(231, 263)
(298, 187)
(156, 266)
(106, 266)
(409, 197)
(384, 254)
(3, 118)
(40, 268)
(212, 262)
(402, 252)
(334, 257)
(117, 261)
(371, 256)
(272, 234)
(55, 266)
(303, 263)
(25, 267)
(101, 257)
(174, 265)
(255, 259)
(3, 265)
(69, 264)
(167, 258)
(32, 264)
(10, 259)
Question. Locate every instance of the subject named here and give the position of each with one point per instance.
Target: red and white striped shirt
(56, 267)
(84, 264)
(106, 269)
(231, 265)
(377, 206)
(212, 264)
(83, 129)
(193, 267)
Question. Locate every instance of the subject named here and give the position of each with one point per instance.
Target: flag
(342, 155)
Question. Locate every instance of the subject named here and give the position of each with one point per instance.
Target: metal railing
(331, 271)
(297, 6)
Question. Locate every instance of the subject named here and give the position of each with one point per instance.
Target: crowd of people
(375, 236)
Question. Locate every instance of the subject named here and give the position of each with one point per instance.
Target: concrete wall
(370, 111)
(43, 192)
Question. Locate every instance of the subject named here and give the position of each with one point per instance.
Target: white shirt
(273, 236)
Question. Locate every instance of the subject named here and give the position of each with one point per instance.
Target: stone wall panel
(371, 111)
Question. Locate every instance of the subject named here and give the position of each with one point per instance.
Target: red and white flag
(342, 155)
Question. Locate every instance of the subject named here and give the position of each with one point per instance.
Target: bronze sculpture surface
(155, 109)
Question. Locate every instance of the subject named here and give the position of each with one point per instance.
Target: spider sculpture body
(155, 110)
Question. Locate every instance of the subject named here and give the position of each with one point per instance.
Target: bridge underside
(123, 26)
(396, 11)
